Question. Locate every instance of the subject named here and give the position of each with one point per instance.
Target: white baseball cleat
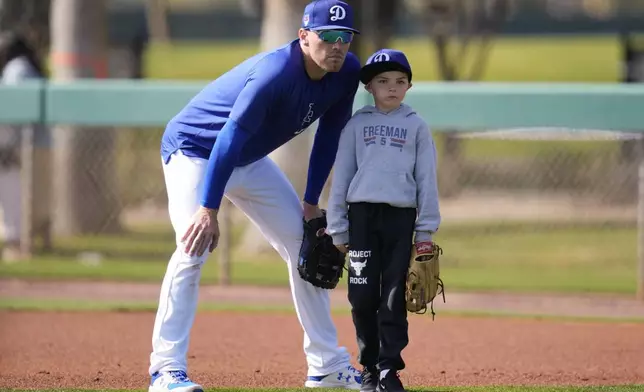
(175, 381)
(349, 378)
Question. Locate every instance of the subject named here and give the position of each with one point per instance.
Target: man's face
(329, 48)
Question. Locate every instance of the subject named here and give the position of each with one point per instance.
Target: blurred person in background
(18, 62)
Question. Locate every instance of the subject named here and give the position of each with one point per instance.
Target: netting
(543, 173)
(546, 163)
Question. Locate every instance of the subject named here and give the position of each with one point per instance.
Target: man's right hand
(203, 231)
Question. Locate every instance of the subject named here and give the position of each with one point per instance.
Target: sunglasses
(332, 36)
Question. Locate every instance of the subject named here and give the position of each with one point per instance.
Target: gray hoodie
(385, 158)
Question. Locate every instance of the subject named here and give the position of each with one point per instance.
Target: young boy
(383, 192)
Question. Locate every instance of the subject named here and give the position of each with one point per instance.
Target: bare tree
(84, 168)
(157, 19)
(456, 27)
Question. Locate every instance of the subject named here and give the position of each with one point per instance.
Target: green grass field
(521, 258)
(547, 59)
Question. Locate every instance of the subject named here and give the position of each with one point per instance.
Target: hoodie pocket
(383, 186)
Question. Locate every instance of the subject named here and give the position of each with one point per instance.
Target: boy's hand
(343, 248)
(424, 250)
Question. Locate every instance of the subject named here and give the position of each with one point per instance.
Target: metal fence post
(27, 187)
(640, 222)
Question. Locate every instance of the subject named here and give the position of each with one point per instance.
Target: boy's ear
(410, 85)
(368, 87)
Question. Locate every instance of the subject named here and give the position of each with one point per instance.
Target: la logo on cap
(380, 57)
(337, 13)
(305, 20)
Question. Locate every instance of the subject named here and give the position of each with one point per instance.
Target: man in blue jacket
(218, 146)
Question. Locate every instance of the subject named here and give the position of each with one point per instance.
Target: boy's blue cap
(328, 15)
(382, 61)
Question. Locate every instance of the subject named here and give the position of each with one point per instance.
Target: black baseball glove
(320, 262)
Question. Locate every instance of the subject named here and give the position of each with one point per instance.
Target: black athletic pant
(380, 246)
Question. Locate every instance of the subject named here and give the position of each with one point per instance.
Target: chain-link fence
(597, 171)
(588, 168)
(597, 166)
(529, 202)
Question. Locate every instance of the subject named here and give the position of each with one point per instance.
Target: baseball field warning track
(110, 350)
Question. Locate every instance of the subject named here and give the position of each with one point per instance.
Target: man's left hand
(321, 263)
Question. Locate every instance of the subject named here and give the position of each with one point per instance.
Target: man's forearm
(223, 158)
(320, 165)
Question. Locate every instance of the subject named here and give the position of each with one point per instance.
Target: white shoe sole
(192, 388)
(331, 384)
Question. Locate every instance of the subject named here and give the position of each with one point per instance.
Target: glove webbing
(442, 288)
(431, 305)
(440, 284)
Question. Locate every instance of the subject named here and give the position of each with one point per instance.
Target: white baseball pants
(265, 195)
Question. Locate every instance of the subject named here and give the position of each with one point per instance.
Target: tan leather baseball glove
(423, 279)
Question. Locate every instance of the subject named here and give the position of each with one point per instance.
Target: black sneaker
(390, 383)
(369, 379)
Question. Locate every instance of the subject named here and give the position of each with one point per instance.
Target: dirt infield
(110, 350)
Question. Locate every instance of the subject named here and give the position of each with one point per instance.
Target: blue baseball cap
(382, 61)
(328, 15)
